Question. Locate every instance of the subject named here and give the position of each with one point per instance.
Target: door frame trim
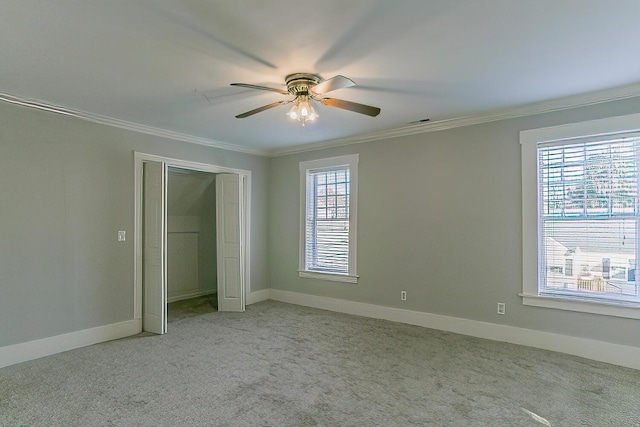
(139, 159)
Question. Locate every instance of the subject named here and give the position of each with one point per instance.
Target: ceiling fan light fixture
(302, 110)
(293, 113)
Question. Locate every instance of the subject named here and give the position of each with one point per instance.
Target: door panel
(154, 317)
(231, 278)
(230, 256)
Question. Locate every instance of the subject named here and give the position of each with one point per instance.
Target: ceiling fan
(306, 88)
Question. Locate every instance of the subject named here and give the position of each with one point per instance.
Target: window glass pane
(327, 230)
(589, 180)
(590, 256)
(332, 243)
(589, 218)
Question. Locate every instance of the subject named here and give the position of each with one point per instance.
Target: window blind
(327, 220)
(588, 216)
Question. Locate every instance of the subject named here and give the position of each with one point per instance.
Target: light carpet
(285, 365)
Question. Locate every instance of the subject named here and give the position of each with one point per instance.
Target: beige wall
(439, 215)
(66, 188)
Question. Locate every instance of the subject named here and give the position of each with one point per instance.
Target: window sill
(328, 276)
(629, 310)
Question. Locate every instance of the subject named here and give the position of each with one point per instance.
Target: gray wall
(439, 215)
(66, 188)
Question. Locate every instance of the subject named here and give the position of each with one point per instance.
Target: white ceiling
(168, 63)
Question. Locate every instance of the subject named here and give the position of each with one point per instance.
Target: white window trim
(352, 162)
(529, 140)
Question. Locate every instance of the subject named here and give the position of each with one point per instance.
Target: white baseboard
(193, 294)
(616, 354)
(602, 351)
(17, 353)
(257, 296)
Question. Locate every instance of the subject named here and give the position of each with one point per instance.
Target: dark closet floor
(192, 307)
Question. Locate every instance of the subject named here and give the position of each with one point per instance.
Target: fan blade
(261, 109)
(272, 89)
(351, 106)
(334, 83)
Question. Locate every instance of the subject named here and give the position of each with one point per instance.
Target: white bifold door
(154, 278)
(229, 213)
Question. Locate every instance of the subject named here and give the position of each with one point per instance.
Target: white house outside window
(581, 201)
(328, 218)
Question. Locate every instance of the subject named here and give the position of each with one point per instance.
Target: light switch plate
(501, 307)
(122, 235)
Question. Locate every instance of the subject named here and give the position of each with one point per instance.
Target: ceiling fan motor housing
(300, 83)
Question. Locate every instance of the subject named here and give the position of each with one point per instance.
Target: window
(328, 190)
(581, 216)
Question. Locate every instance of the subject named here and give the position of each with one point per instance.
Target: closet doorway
(192, 236)
(191, 242)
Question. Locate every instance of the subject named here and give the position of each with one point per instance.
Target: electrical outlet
(122, 235)
(501, 307)
(403, 295)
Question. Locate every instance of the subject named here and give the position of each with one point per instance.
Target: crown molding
(558, 104)
(123, 124)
